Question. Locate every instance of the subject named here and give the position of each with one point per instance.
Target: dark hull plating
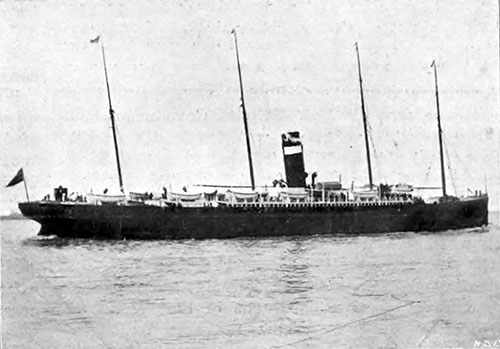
(151, 222)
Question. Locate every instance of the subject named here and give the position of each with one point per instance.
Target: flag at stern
(18, 178)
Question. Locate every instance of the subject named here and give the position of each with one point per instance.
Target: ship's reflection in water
(295, 287)
(58, 242)
(294, 272)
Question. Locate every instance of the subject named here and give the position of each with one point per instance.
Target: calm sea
(398, 290)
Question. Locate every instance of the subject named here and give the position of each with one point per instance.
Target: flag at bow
(96, 40)
(18, 178)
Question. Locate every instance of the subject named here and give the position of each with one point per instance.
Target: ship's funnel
(294, 159)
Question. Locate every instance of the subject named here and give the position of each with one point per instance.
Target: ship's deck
(261, 203)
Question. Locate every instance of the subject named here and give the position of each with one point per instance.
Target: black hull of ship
(153, 222)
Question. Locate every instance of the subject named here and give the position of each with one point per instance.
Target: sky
(174, 88)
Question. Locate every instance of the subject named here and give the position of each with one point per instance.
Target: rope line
(451, 175)
(463, 166)
(321, 333)
(378, 166)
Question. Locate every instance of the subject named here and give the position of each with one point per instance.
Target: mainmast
(440, 131)
(249, 150)
(364, 120)
(112, 116)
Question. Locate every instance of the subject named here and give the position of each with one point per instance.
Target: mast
(364, 120)
(440, 131)
(249, 150)
(112, 116)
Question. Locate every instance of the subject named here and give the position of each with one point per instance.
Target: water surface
(397, 290)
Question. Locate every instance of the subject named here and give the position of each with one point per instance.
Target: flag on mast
(18, 178)
(96, 40)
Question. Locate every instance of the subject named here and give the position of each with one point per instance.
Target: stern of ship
(454, 213)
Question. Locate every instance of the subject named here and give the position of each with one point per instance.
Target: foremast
(243, 110)
(370, 178)
(440, 131)
(112, 116)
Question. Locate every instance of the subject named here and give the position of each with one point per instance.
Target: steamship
(287, 208)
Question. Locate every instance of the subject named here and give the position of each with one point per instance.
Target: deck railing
(284, 203)
(265, 204)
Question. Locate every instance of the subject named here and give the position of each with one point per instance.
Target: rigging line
(320, 333)
(372, 143)
(457, 157)
(120, 138)
(375, 154)
(370, 131)
(449, 168)
(448, 165)
(377, 159)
